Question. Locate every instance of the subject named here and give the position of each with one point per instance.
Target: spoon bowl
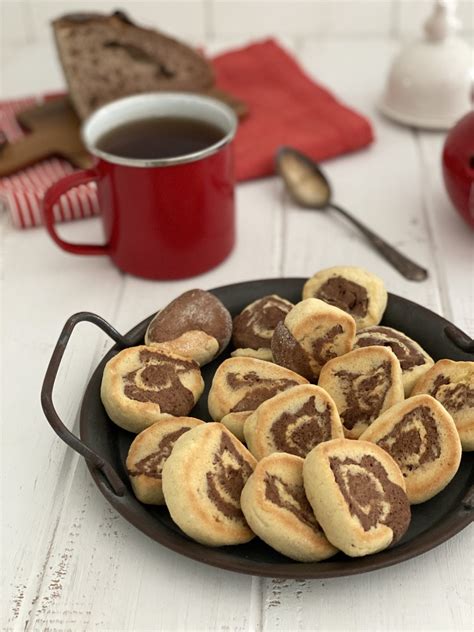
(304, 179)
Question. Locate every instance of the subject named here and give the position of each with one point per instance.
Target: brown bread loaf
(105, 57)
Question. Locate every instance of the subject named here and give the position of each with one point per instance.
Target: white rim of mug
(172, 97)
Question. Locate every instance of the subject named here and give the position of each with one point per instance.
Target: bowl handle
(94, 460)
(460, 339)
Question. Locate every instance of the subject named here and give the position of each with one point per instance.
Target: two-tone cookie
(141, 385)
(240, 385)
(312, 333)
(363, 384)
(452, 384)
(357, 493)
(148, 453)
(277, 510)
(352, 289)
(253, 328)
(203, 479)
(414, 361)
(294, 421)
(421, 437)
(195, 325)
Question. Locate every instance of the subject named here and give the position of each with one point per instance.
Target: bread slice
(105, 57)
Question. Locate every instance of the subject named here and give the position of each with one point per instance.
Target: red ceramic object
(458, 167)
(170, 219)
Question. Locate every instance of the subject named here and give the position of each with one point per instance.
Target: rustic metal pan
(105, 446)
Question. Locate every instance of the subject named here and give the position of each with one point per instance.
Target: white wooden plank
(15, 26)
(17, 78)
(179, 18)
(42, 286)
(427, 593)
(262, 18)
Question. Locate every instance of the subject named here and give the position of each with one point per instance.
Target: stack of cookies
(326, 426)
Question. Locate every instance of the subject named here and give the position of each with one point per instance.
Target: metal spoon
(310, 188)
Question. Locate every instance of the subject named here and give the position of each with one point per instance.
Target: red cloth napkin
(285, 108)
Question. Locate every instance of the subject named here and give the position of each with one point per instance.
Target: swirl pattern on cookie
(142, 384)
(253, 328)
(369, 493)
(241, 384)
(275, 506)
(421, 437)
(354, 290)
(203, 480)
(414, 361)
(157, 381)
(452, 384)
(195, 325)
(363, 384)
(148, 453)
(312, 334)
(357, 492)
(294, 421)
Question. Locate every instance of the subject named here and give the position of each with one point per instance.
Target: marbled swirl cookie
(148, 453)
(294, 421)
(363, 384)
(356, 291)
(414, 361)
(240, 385)
(421, 437)
(357, 493)
(141, 385)
(253, 328)
(195, 325)
(203, 479)
(312, 333)
(452, 384)
(277, 510)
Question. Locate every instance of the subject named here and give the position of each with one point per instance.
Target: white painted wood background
(69, 562)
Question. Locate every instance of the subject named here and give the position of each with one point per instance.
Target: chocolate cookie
(363, 384)
(148, 453)
(202, 482)
(452, 384)
(421, 437)
(311, 334)
(253, 328)
(357, 493)
(414, 361)
(195, 325)
(141, 385)
(277, 510)
(240, 385)
(354, 290)
(294, 421)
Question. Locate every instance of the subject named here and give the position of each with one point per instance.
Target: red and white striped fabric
(21, 194)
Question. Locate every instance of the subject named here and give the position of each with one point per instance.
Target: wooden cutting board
(54, 130)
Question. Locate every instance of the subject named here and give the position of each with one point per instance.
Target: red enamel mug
(167, 218)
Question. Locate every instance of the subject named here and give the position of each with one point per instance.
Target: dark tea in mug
(159, 137)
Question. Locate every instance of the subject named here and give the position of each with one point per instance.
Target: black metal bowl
(105, 446)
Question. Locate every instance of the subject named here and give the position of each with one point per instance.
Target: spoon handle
(407, 268)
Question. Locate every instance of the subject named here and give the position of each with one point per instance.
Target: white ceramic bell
(430, 82)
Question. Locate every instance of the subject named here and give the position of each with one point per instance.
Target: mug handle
(50, 199)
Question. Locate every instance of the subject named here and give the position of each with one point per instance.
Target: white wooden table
(70, 562)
